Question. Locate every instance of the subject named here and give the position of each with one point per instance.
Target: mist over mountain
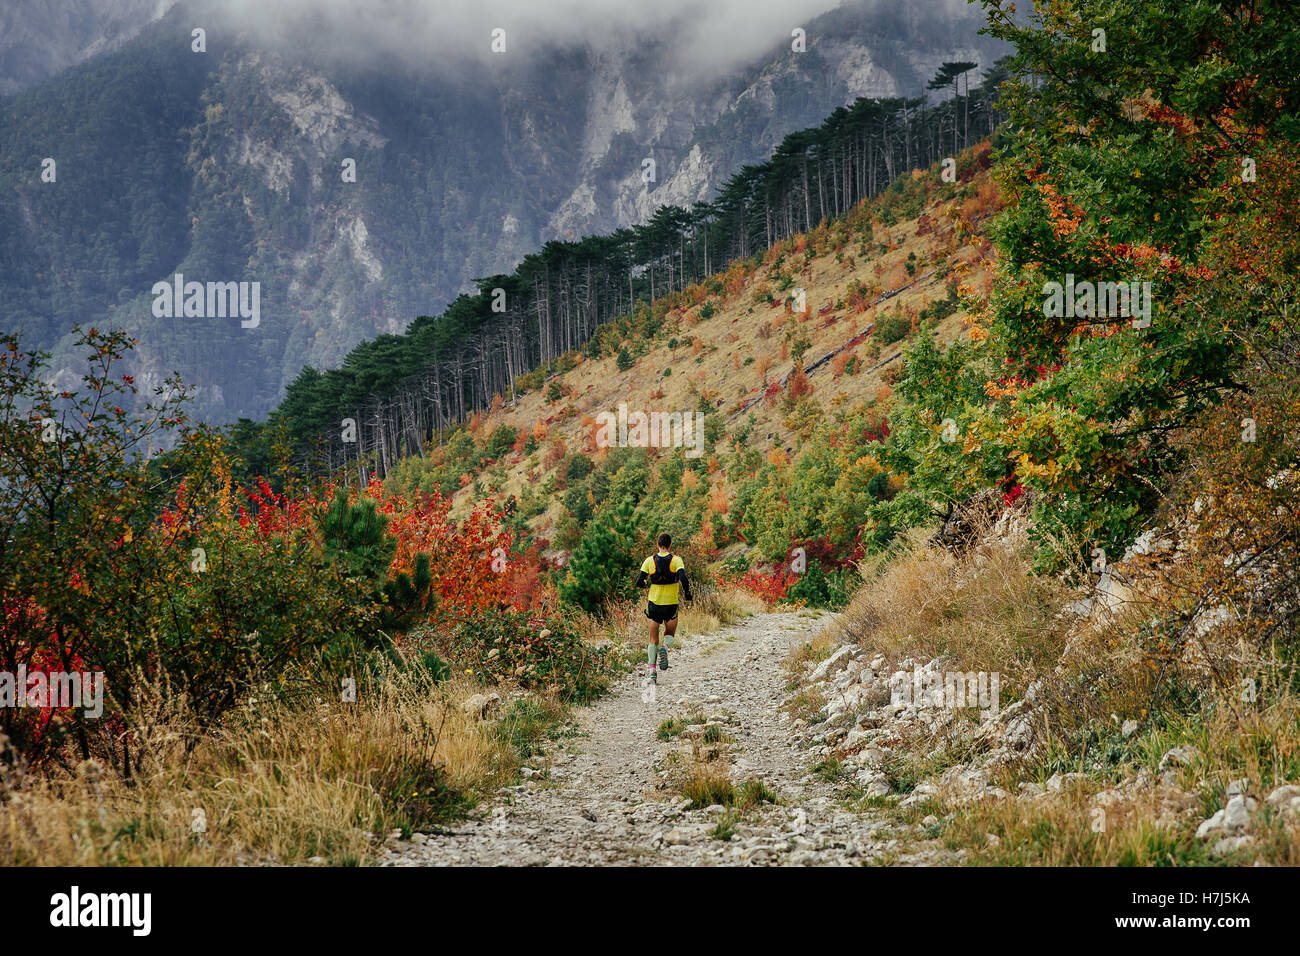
(234, 164)
(38, 38)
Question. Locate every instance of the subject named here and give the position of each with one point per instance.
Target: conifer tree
(603, 564)
(356, 536)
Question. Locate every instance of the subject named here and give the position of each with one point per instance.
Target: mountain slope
(725, 350)
(227, 166)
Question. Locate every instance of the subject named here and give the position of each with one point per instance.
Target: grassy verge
(297, 782)
(277, 783)
(1133, 745)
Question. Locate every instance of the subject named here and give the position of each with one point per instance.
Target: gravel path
(604, 794)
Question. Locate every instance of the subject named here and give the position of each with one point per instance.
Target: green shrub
(817, 588)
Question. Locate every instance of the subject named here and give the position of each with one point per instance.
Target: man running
(663, 573)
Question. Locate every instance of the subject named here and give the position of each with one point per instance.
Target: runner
(664, 573)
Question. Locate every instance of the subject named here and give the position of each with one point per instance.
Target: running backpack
(663, 570)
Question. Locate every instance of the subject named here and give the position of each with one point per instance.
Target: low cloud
(707, 37)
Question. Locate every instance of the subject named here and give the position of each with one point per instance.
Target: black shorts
(660, 612)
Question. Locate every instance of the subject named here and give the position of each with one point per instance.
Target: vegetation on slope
(1152, 720)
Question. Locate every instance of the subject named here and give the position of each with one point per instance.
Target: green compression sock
(652, 653)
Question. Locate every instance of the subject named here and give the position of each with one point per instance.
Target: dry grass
(812, 651)
(276, 784)
(1091, 823)
(1073, 829)
(988, 612)
(706, 779)
(719, 607)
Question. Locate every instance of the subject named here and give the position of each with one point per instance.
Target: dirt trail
(602, 794)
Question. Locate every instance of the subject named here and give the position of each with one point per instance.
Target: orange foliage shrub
(840, 362)
(718, 503)
(555, 454)
(733, 280)
(896, 278)
(799, 385)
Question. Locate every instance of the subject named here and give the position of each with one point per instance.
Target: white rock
(479, 704)
(1231, 844)
(1057, 782)
(1019, 732)
(1210, 826)
(856, 736)
(1283, 795)
(677, 837)
(1178, 756)
(824, 667)
(1236, 815)
(849, 699)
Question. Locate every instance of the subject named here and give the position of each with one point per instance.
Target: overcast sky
(720, 33)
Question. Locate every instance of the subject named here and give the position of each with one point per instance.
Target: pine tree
(603, 565)
(356, 536)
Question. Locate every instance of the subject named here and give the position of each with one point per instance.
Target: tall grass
(277, 783)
